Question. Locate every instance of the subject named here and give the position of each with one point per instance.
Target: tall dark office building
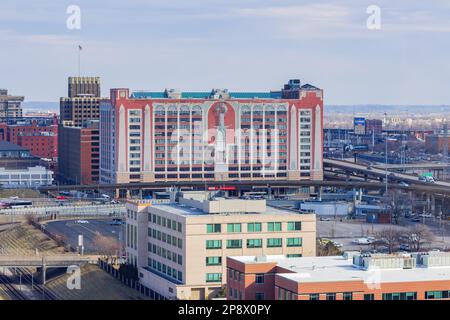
(82, 103)
(78, 131)
(10, 106)
(84, 86)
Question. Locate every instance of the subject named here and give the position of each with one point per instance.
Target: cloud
(308, 11)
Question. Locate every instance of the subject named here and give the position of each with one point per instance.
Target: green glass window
(213, 228)
(254, 243)
(233, 227)
(259, 296)
(294, 226)
(314, 296)
(294, 242)
(273, 226)
(213, 244)
(437, 294)
(213, 261)
(347, 296)
(274, 242)
(369, 296)
(331, 296)
(259, 278)
(233, 244)
(254, 227)
(213, 277)
(400, 296)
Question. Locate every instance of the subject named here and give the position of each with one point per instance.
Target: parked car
(324, 219)
(416, 220)
(117, 222)
(405, 247)
(337, 244)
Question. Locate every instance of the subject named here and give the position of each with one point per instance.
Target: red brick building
(415, 276)
(79, 153)
(434, 143)
(374, 126)
(39, 135)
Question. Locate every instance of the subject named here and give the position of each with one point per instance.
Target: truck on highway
(427, 177)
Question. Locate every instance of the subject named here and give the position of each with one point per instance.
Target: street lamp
(386, 155)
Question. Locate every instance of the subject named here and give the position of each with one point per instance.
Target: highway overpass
(45, 262)
(413, 181)
(415, 184)
(50, 261)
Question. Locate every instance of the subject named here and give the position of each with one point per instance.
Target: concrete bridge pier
(269, 192)
(432, 204)
(42, 274)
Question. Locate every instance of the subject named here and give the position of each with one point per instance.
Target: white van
(362, 241)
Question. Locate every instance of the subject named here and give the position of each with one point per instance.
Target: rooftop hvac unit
(261, 258)
(436, 260)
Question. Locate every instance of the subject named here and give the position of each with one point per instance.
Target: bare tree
(106, 246)
(30, 218)
(60, 240)
(418, 236)
(390, 237)
(328, 249)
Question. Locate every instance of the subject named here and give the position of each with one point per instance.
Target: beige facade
(185, 247)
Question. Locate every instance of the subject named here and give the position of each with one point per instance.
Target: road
(381, 173)
(70, 229)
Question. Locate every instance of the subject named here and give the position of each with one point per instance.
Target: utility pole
(373, 139)
(445, 151)
(386, 155)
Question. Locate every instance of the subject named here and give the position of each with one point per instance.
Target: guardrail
(48, 261)
(88, 210)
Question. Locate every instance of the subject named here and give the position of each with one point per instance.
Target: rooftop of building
(344, 268)
(293, 85)
(4, 95)
(7, 146)
(222, 206)
(204, 95)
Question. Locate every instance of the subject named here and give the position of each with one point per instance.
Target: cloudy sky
(239, 45)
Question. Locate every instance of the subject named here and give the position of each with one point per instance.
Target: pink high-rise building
(212, 136)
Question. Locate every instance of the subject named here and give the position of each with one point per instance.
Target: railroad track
(10, 290)
(40, 290)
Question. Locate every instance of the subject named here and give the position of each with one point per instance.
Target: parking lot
(70, 229)
(345, 231)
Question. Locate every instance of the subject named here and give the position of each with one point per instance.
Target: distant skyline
(252, 45)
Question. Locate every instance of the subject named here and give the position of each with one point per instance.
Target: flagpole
(79, 61)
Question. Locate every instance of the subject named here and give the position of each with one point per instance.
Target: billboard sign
(359, 125)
